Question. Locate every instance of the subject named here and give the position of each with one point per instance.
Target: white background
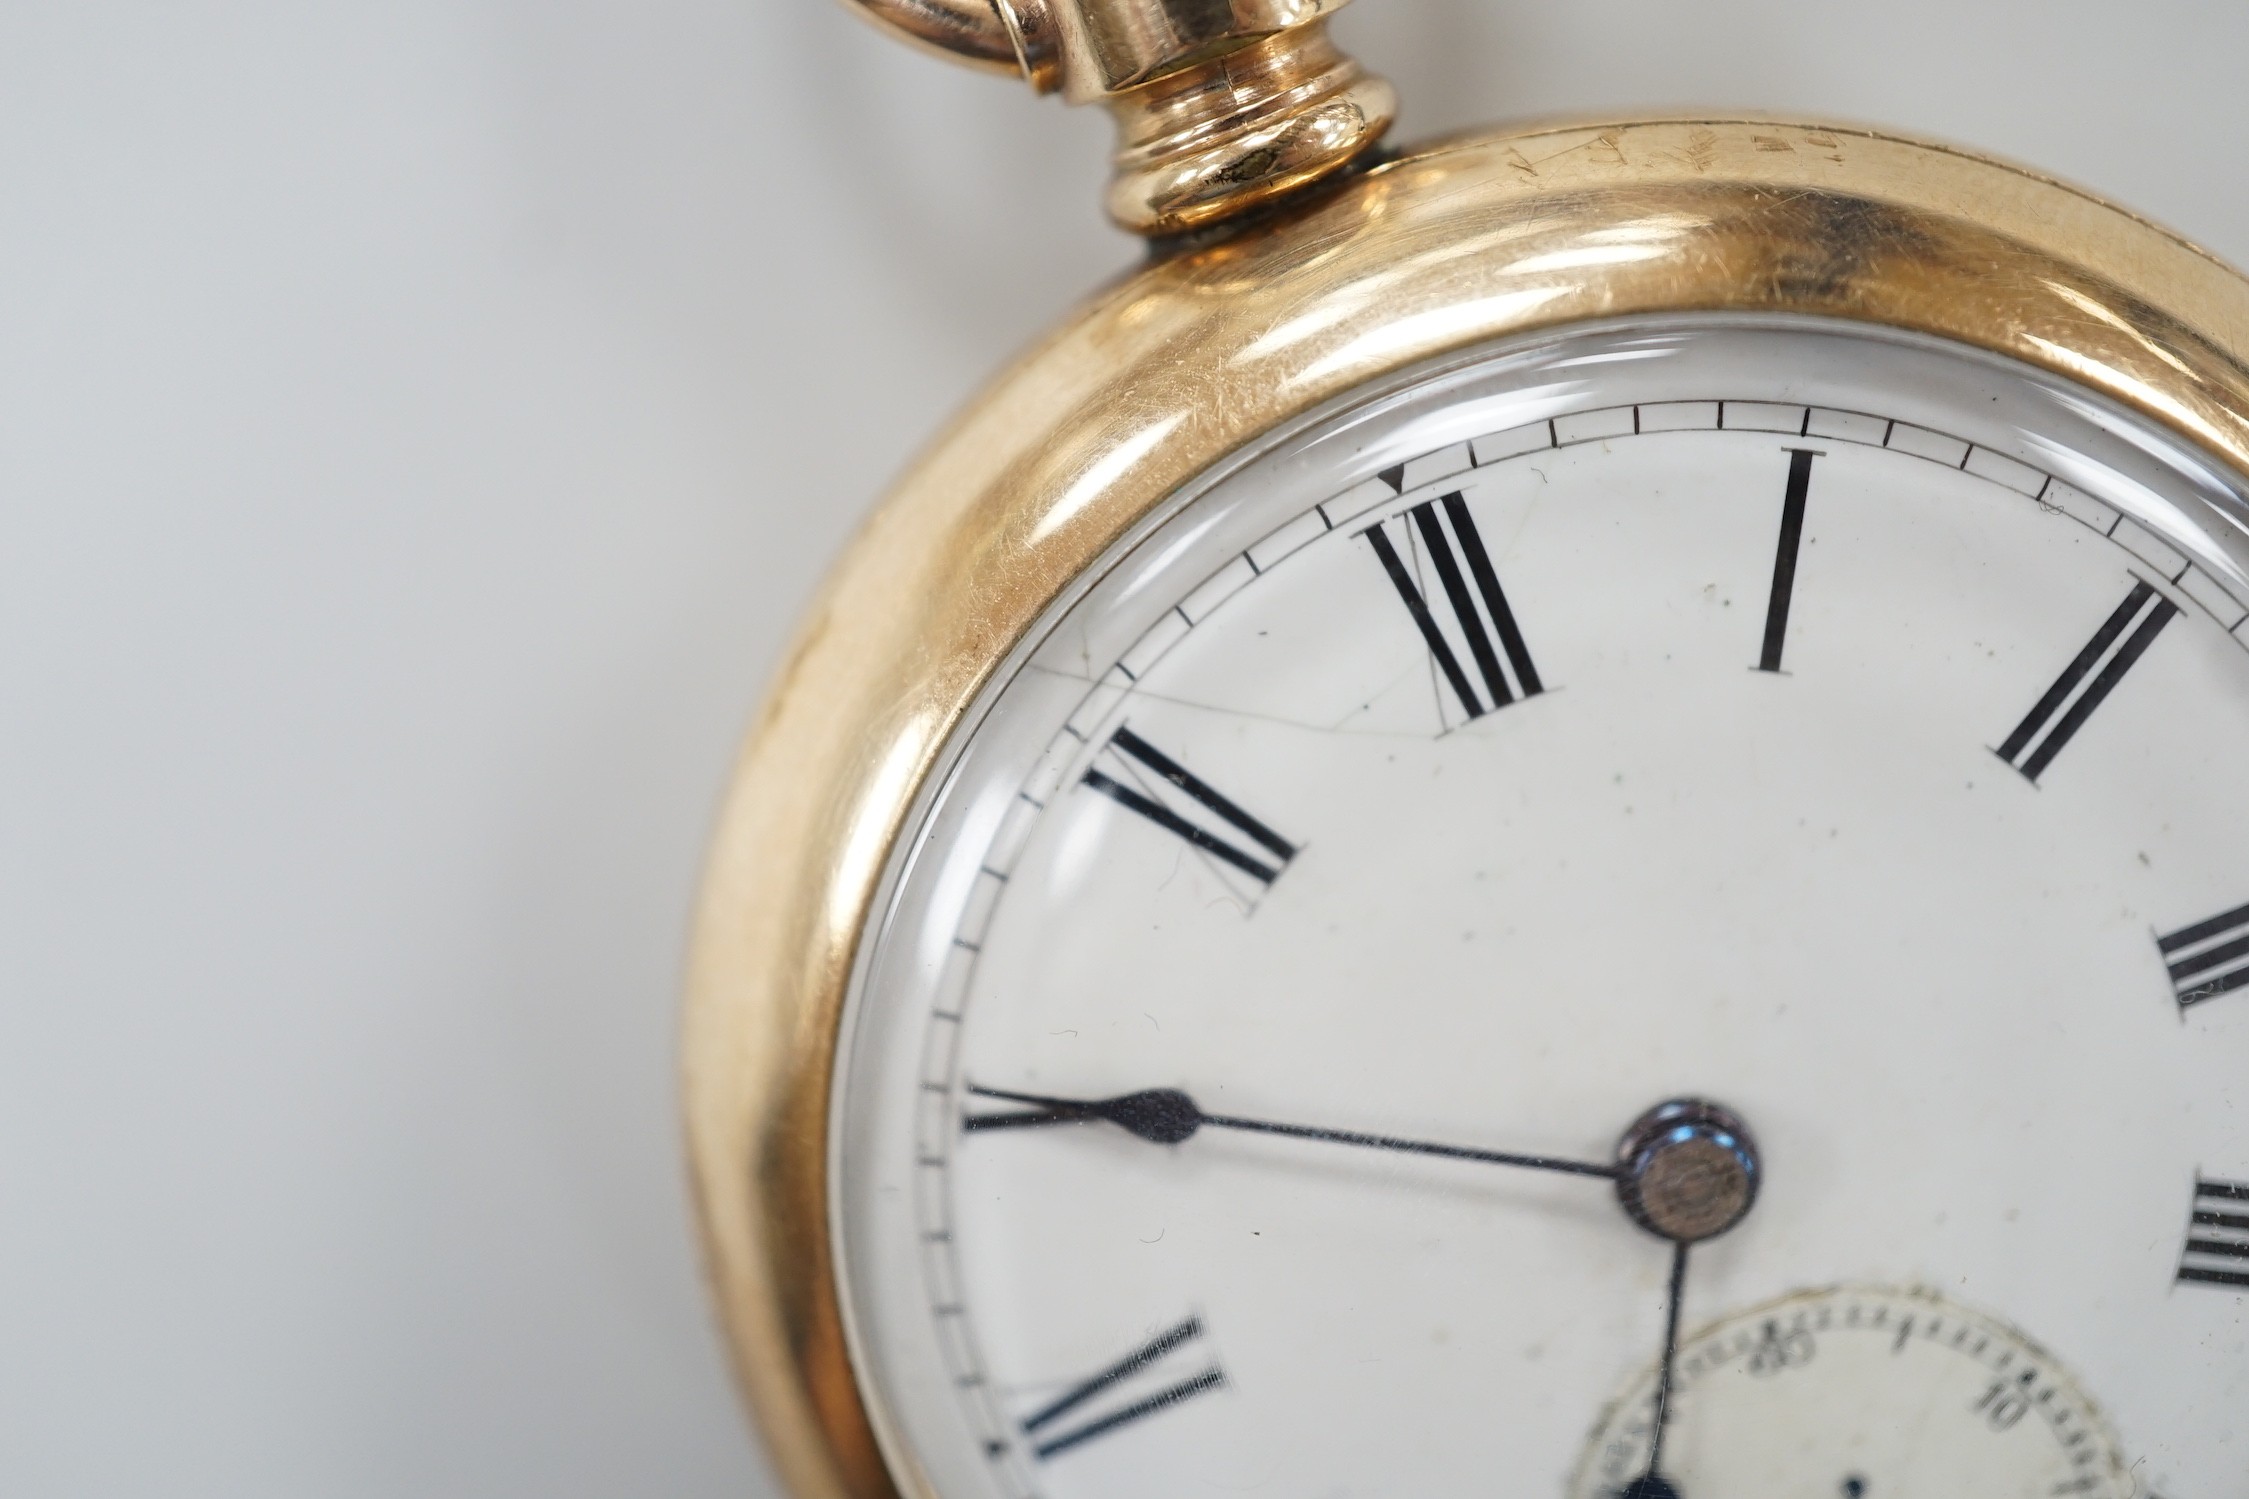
(419, 423)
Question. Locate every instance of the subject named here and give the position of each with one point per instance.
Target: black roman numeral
(1784, 560)
(2217, 1252)
(1265, 866)
(2209, 958)
(1488, 633)
(1039, 1426)
(2071, 700)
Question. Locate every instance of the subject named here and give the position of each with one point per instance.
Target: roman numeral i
(1237, 839)
(2209, 958)
(2217, 1252)
(1478, 618)
(1051, 1416)
(2058, 716)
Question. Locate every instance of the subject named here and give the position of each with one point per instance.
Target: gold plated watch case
(1189, 362)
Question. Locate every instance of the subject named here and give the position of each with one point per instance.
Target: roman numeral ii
(2217, 1252)
(2209, 958)
(1480, 618)
(1051, 1434)
(1266, 852)
(2058, 716)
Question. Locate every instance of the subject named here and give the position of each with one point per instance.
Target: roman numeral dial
(1106, 1402)
(2209, 958)
(2217, 1249)
(1189, 808)
(1636, 758)
(2088, 680)
(1479, 618)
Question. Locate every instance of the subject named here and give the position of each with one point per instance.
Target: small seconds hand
(1167, 1116)
(1652, 1484)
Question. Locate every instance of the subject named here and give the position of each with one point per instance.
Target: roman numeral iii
(1208, 821)
(2209, 958)
(1067, 1421)
(2051, 725)
(1477, 618)
(2217, 1252)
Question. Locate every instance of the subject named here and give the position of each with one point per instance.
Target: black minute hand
(1166, 1116)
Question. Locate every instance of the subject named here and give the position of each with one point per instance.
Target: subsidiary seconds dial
(1860, 1394)
(1494, 902)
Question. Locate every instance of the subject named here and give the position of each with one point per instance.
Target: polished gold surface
(1089, 49)
(1035, 29)
(1220, 109)
(975, 32)
(1227, 136)
(1196, 358)
(1110, 46)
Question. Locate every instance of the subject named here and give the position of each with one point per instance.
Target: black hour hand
(1161, 1116)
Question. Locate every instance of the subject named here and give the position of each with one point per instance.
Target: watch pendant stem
(1219, 138)
(979, 33)
(1220, 108)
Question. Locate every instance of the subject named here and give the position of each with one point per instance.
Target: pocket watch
(1556, 814)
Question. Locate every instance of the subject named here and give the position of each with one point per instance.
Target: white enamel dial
(1846, 730)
